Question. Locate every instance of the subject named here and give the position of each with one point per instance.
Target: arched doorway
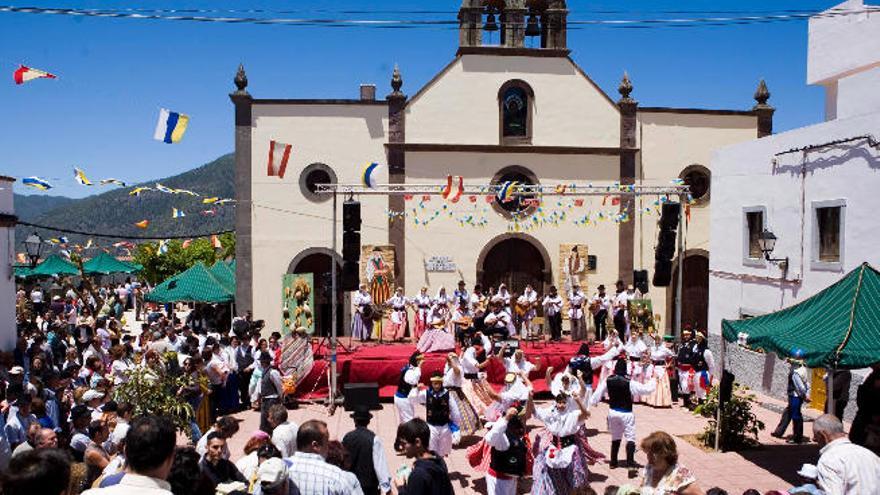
(317, 262)
(695, 291)
(515, 260)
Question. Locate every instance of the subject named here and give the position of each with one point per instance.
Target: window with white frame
(828, 222)
(753, 225)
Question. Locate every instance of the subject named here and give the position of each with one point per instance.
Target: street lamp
(767, 242)
(33, 245)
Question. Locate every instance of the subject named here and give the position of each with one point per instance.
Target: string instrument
(464, 321)
(595, 305)
(521, 309)
(482, 304)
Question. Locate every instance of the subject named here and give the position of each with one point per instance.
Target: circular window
(699, 179)
(518, 204)
(312, 176)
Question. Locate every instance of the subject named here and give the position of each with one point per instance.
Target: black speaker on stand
(665, 250)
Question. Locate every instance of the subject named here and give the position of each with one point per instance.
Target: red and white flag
(24, 74)
(279, 153)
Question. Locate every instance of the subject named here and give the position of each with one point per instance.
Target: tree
(160, 266)
(156, 390)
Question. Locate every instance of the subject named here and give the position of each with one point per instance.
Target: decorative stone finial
(241, 80)
(762, 94)
(625, 87)
(396, 81)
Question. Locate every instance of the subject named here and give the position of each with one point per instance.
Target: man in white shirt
(311, 474)
(576, 313)
(149, 453)
(553, 311)
(844, 467)
(283, 430)
(599, 305)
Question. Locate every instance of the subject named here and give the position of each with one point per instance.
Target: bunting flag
(368, 176)
(117, 182)
(175, 213)
(209, 213)
(80, 177)
(171, 126)
(279, 154)
(560, 188)
(163, 246)
(138, 190)
(142, 224)
(615, 201)
(210, 200)
(186, 243)
(88, 244)
(36, 183)
(185, 191)
(224, 201)
(453, 189)
(215, 242)
(164, 189)
(506, 192)
(24, 74)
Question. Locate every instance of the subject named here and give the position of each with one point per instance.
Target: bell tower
(516, 21)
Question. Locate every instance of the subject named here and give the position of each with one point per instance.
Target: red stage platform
(382, 363)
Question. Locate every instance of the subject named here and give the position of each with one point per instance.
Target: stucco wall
(7, 276)
(461, 106)
(745, 176)
(843, 44)
(344, 137)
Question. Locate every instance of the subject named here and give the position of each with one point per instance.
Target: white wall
(745, 176)
(461, 106)
(344, 137)
(843, 41)
(859, 94)
(7, 276)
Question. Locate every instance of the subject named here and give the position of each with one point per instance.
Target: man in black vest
(270, 390)
(621, 421)
(684, 363)
(508, 455)
(367, 454)
(436, 400)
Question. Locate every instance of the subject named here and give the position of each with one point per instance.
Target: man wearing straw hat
(438, 415)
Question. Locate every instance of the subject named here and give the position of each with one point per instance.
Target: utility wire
(129, 237)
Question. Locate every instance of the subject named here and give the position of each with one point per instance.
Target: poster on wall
(572, 269)
(297, 302)
(377, 271)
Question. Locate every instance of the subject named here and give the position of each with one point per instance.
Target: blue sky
(115, 74)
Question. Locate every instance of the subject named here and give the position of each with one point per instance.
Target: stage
(382, 363)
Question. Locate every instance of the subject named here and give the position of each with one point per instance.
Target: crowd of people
(69, 427)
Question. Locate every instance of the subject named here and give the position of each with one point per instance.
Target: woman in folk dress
(422, 306)
(437, 336)
(661, 356)
(398, 323)
(361, 323)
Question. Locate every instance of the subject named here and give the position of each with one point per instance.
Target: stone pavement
(772, 466)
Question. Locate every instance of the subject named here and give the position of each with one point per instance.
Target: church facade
(493, 114)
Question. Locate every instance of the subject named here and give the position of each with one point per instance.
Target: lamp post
(33, 245)
(767, 242)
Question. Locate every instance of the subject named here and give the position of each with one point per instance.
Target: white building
(816, 188)
(7, 259)
(494, 113)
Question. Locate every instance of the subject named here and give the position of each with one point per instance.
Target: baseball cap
(272, 473)
(91, 395)
(16, 370)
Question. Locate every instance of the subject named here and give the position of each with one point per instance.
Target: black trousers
(620, 324)
(244, 381)
(600, 320)
(555, 322)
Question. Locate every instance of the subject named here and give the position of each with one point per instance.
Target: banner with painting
(572, 270)
(297, 301)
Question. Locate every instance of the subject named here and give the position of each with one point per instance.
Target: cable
(134, 238)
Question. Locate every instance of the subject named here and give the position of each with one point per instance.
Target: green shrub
(155, 390)
(739, 425)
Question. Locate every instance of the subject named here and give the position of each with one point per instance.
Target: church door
(515, 263)
(695, 292)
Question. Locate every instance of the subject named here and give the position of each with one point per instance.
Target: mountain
(115, 212)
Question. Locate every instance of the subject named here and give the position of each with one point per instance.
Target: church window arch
(515, 108)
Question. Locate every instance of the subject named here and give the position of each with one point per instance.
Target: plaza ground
(771, 466)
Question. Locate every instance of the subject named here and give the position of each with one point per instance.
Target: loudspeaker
(350, 276)
(665, 249)
(351, 216)
(351, 246)
(669, 216)
(592, 262)
(662, 273)
(640, 280)
(361, 394)
(726, 387)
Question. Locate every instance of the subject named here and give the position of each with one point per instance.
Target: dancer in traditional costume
(398, 323)
(516, 392)
(561, 451)
(442, 298)
(636, 351)
(527, 305)
(437, 337)
(553, 313)
(621, 421)
(475, 387)
(576, 313)
(704, 367)
(508, 455)
(464, 416)
(661, 357)
(685, 365)
(438, 415)
(461, 292)
(362, 322)
(407, 388)
(517, 363)
(505, 297)
(619, 303)
(422, 305)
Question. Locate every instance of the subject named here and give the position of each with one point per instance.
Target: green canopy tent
(54, 265)
(837, 328)
(193, 285)
(22, 271)
(222, 272)
(104, 264)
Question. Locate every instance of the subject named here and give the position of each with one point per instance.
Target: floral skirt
(435, 340)
(552, 481)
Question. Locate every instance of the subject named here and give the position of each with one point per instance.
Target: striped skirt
(463, 413)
